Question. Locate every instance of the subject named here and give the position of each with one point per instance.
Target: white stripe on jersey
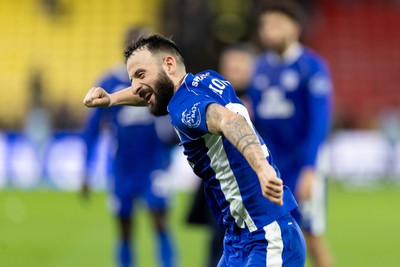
(227, 179)
(240, 109)
(273, 236)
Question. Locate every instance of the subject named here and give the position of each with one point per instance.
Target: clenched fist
(97, 97)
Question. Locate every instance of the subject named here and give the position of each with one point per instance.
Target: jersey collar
(291, 55)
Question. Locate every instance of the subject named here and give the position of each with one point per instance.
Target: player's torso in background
(279, 92)
(231, 186)
(137, 134)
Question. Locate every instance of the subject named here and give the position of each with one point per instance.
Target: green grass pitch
(58, 229)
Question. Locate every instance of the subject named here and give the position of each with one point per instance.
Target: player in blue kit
(291, 92)
(242, 184)
(141, 153)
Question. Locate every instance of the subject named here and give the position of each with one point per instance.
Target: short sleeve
(190, 118)
(189, 105)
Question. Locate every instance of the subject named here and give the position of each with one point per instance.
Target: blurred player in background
(38, 127)
(242, 184)
(140, 157)
(235, 64)
(291, 92)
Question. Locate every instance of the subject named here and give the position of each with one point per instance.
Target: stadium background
(57, 49)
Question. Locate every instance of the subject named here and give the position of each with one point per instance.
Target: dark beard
(163, 92)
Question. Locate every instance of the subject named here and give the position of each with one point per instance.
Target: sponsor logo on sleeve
(191, 117)
(320, 85)
(197, 79)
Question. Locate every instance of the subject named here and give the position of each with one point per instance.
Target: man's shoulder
(312, 57)
(197, 85)
(203, 78)
(188, 106)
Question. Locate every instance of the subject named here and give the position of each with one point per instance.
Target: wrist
(112, 98)
(265, 169)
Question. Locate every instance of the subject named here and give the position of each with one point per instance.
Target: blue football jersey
(292, 107)
(139, 148)
(231, 186)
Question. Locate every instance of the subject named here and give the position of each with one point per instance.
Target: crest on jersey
(261, 82)
(191, 117)
(290, 80)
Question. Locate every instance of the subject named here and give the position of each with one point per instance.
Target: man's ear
(170, 64)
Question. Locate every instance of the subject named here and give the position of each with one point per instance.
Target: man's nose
(136, 88)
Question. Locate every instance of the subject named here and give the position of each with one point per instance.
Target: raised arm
(235, 128)
(98, 97)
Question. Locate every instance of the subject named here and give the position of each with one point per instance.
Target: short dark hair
(290, 8)
(155, 43)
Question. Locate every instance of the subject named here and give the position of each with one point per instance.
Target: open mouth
(147, 97)
(145, 94)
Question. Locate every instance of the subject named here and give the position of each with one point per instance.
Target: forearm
(126, 97)
(242, 136)
(237, 130)
(98, 97)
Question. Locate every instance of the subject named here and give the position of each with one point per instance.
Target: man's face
(277, 30)
(150, 81)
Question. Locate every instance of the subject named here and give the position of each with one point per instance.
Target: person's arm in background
(319, 101)
(236, 129)
(91, 132)
(98, 97)
(90, 136)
